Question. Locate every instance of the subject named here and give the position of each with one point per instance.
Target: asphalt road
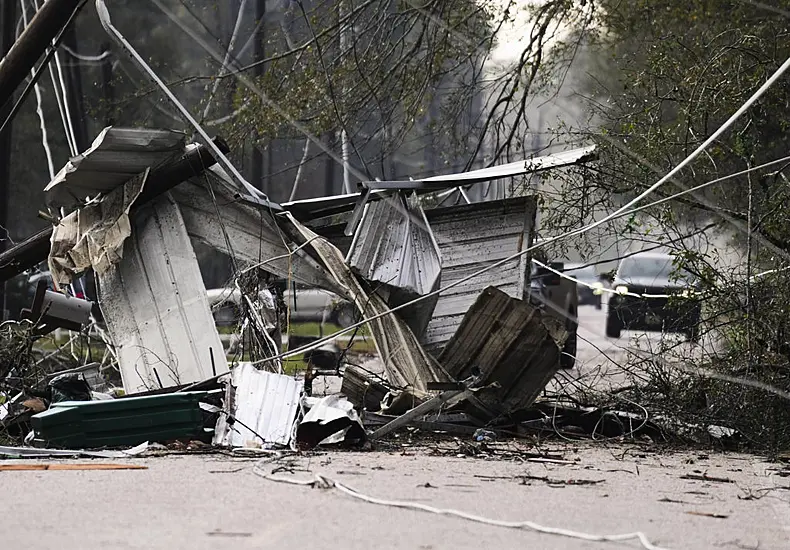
(608, 363)
(217, 502)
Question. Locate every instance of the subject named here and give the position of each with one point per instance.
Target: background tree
(665, 75)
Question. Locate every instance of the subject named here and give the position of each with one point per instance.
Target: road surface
(216, 502)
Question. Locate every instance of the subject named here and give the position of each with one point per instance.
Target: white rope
(87, 58)
(71, 136)
(39, 108)
(601, 288)
(65, 117)
(324, 482)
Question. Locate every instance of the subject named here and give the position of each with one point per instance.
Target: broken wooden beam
(35, 249)
(419, 411)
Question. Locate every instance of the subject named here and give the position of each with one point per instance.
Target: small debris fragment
(709, 515)
(484, 435)
(673, 501)
(706, 477)
(227, 534)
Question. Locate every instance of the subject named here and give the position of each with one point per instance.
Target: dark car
(557, 296)
(652, 294)
(590, 287)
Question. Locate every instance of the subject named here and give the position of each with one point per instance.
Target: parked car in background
(306, 305)
(652, 294)
(591, 288)
(314, 305)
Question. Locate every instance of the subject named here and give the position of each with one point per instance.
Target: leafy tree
(666, 75)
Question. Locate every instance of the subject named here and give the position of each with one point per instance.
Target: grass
(362, 343)
(314, 329)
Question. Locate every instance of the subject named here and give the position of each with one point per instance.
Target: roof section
(318, 207)
(116, 156)
(535, 164)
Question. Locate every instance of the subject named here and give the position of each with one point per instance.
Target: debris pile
(460, 360)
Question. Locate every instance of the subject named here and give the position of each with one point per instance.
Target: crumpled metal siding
(116, 156)
(155, 305)
(405, 361)
(307, 209)
(393, 245)
(213, 216)
(509, 342)
(535, 164)
(471, 237)
(264, 401)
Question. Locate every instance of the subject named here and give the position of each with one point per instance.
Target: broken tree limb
(35, 249)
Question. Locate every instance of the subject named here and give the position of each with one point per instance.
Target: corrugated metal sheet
(471, 237)
(156, 307)
(263, 401)
(394, 247)
(119, 422)
(116, 156)
(511, 343)
(307, 209)
(252, 233)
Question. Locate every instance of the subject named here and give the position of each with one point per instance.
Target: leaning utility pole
(7, 28)
(33, 42)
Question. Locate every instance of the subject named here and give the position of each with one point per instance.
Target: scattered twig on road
(228, 534)
(673, 501)
(551, 481)
(706, 477)
(88, 466)
(551, 461)
(709, 515)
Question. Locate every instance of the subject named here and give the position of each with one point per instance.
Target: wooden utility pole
(33, 42)
(7, 31)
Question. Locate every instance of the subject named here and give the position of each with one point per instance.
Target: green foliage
(663, 76)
